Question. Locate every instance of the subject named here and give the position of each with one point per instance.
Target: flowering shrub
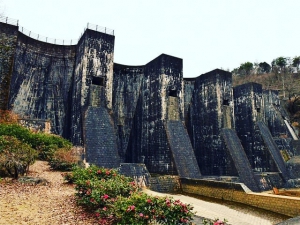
(141, 208)
(115, 199)
(215, 222)
(97, 187)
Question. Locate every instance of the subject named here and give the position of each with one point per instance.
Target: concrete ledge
(238, 192)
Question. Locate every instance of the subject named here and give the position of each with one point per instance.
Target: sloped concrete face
(240, 159)
(182, 150)
(100, 138)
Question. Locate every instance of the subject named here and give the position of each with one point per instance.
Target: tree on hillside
(296, 62)
(264, 67)
(280, 69)
(246, 68)
(280, 63)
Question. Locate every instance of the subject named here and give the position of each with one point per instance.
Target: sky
(206, 34)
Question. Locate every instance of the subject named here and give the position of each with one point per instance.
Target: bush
(15, 156)
(45, 144)
(115, 199)
(141, 209)
(64, 159)
(215, 222)
(8, 117)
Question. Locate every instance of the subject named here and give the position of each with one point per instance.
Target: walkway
(213, 210)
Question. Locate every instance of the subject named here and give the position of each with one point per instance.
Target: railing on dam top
(52, 40)
(4, 19)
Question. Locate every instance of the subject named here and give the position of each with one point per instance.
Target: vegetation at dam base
(113, 198)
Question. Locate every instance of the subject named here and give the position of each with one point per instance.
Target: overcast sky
(206, 34)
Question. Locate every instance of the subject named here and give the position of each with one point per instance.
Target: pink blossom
(141, 214)
(219, 222)
(105, 196)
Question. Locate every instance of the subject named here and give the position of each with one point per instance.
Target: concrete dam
(195, 128)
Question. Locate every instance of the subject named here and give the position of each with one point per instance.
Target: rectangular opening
(258, 110)
(173, 93)
(226, 102)
(98, 81)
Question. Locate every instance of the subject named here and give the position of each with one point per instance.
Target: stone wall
(148, 139)
(237, 192)
(212, 91)
(41, 82)
(36, 125)
(126, 91)
(165, 184)
(8, 42)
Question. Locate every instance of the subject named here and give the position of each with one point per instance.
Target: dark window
(98, 81)
(173, 93)
(258, 110)
(225, 102)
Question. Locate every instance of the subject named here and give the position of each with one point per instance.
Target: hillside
(288, 86)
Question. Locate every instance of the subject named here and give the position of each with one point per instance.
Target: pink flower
(97, 214)
(104, 209)
(149, 200)
(141, 214)
(99, 172)
(219, 222)
(130, 208)
(105, 196)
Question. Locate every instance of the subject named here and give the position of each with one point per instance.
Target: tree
(296, 62)
(15, 156)
(281, 62)
(246, 68)
(264, 67)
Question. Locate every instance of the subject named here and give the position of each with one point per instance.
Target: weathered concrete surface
(240, 159)
(148, 140)
(93, 64)
(273, 149)
(212, 91)
(8, 42)
(41, 82)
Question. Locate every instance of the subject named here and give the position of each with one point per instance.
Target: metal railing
(53, 40)
(47, 39)
(7, 20)
(100, 29)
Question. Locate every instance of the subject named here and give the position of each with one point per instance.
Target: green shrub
(15, 156)
(45, 144)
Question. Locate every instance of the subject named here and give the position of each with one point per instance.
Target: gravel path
(36, 204)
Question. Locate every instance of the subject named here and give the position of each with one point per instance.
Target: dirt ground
(37, 204)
